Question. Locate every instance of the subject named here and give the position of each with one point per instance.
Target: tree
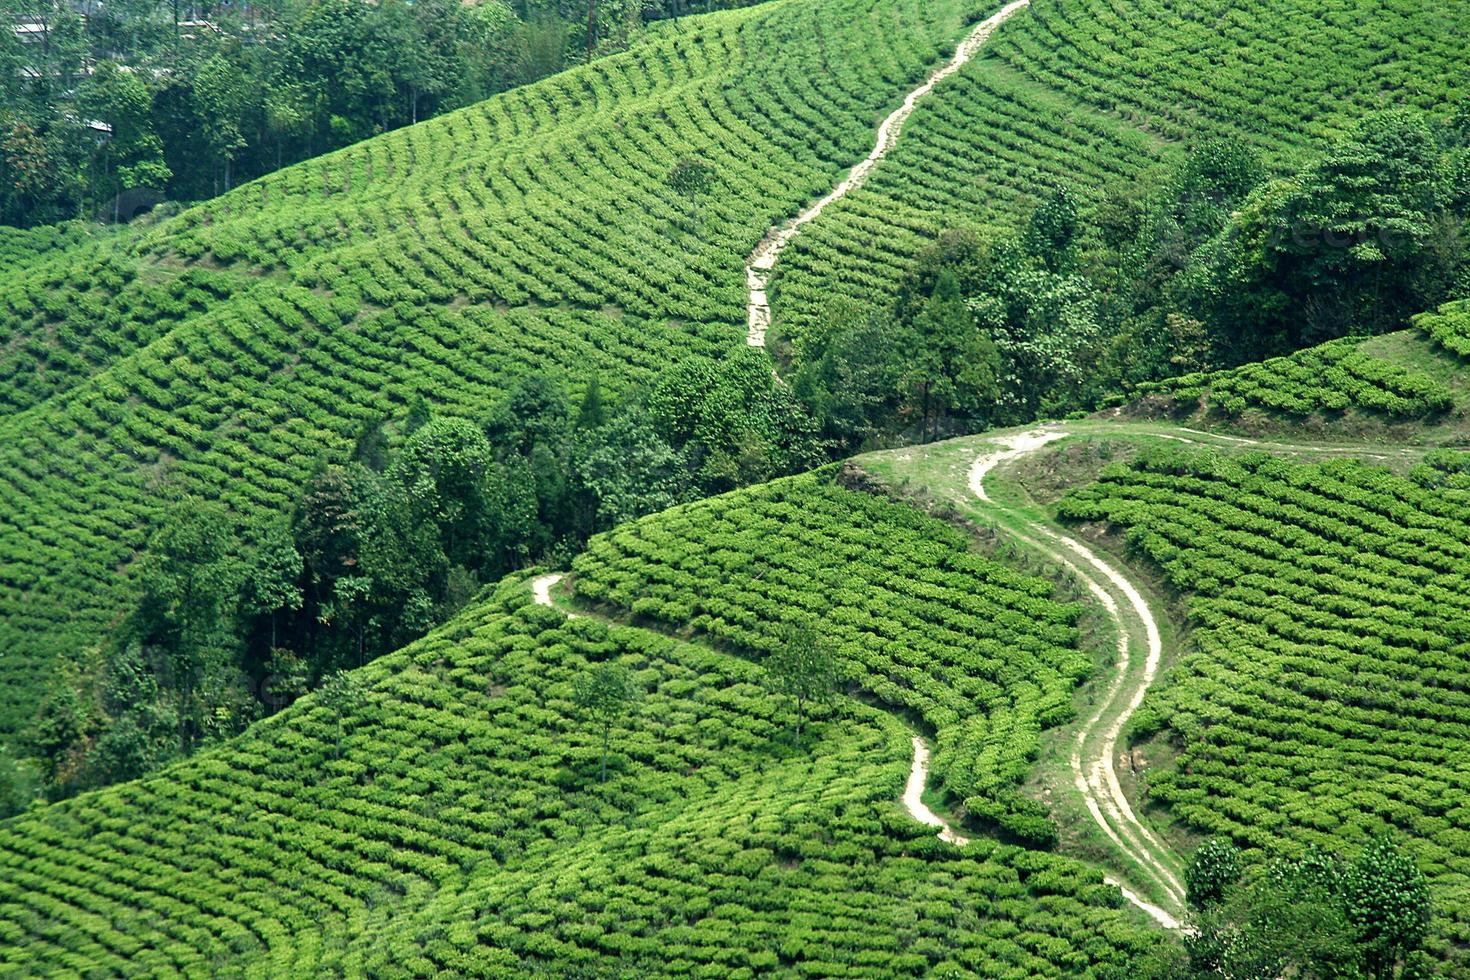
(188, 577)
(371, 447)
(418, 416)
(592, 413)
(847, 374)
(131, 158)
(1310, 916)
(1387, 900)
(949, 359)
(442, 469)
(328, 528)
(1214, 868)
(271, 578)
(605, 694)
(692, 178)
(221, 94)
(18, 783)
(1051, 233)
(536, 411)
(734, 421)
(344, 695)
(802, 668)
(629, 471)
(1351, 244)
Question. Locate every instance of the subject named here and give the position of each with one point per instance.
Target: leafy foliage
(1312, 916)
(1323, 704)
(984, 655)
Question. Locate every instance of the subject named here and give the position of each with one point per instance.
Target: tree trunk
(606, 738)
(591, 27)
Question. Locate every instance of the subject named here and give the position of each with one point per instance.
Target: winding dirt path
(913, 797)
(541, 588)
(1094, 750)
(762, 262)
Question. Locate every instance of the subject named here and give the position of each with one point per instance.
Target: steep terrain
(446, 814)
(224, 351)
(1320, 578)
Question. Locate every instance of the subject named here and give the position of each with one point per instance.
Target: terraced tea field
(536, 230)
(1094, 95)
(450, 817)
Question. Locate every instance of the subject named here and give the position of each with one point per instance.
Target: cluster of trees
(1228, 265)
(384, 546)
(1313, 916)
(991, 326)
(201, 96)
(1221, 265)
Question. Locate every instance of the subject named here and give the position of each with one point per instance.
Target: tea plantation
(247, 337)
(1095, 95)
(445, 814)
(986, 657)
(1322, 698)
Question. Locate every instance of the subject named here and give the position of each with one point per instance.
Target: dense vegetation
(442, 262)
(1067, 311)
(1325, 701)
(984, 656)
(1104, 96)
(443, 811)
(108, 109)
(377, 551)
(1316, 915)
(1328, 378)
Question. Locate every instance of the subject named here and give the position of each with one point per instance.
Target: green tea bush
(1328, 378)
(984, 655)
(1325, 698)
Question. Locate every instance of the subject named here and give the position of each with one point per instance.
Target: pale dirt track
(913, 793)
(1094, 750)
(761, 263)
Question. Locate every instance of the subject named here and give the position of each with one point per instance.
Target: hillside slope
(446, 814)
(224, 351)
(1317, 567)
(1095, 94)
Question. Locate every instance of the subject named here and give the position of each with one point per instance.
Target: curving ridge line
(761, 263)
